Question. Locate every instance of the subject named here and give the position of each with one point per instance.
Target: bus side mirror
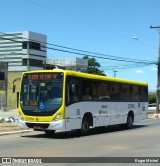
(14, 88)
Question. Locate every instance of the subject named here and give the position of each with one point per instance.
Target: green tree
(93, 66)
(152, 98)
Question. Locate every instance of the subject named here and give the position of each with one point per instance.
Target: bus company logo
(131, 105)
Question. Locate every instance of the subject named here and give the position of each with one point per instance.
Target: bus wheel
(49, 133)
(129, 123)
(85, 127)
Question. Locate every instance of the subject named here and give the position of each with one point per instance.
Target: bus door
(73, 106)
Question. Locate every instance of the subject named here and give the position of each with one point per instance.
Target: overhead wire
(77, 19)
(124, 66)
(80, 52)
(88, 24)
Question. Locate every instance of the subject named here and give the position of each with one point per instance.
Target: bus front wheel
(85, 127)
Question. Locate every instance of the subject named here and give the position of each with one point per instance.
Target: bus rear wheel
(85, 127)
(129, 123)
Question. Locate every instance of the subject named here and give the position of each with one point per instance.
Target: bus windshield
(41, 92)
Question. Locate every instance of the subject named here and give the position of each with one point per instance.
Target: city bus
(63, 100)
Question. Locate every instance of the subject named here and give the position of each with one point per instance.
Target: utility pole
(158, 75)
(114, 71)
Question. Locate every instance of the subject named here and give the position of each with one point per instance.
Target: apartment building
(22, 51)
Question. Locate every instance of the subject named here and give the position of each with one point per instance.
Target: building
(77, 64)
(22, 51)
(3, 85)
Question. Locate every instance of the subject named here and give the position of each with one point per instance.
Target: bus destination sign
(43, 76)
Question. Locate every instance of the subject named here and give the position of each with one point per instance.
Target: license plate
(37, 127)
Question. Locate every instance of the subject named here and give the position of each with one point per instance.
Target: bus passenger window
(89, 90)
(143, 93)
(73, 92)
(87, 94)
(103, 92)
(115, 92)
(135, 93)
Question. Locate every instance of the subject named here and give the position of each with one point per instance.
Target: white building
(23, 51)
(77, 64)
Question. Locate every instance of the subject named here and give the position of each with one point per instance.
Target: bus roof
(91, 76)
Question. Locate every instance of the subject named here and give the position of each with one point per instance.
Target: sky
(106, 27)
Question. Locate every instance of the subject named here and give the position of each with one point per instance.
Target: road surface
(141, 141)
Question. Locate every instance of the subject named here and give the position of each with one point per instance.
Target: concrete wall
(12, 97)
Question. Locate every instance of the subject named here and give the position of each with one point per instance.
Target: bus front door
(73, 107)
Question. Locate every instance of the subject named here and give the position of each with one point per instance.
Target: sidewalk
(9, 123)
(153, 115)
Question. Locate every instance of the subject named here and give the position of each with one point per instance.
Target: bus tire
(129, 123)
(49, 133)
(85, 127)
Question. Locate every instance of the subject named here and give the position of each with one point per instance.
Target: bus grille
(42, 125)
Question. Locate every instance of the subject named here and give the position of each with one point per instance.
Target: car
(152, 107)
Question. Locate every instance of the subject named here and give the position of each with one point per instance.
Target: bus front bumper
(53, 125)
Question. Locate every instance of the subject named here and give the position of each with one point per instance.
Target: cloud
(139, 71)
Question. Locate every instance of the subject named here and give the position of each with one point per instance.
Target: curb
(156, 116)
(153, 116)
(15, 132)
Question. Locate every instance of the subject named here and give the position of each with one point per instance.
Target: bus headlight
(57, 117)
(21, 118)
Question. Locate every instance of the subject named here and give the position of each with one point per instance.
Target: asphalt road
(141, 141)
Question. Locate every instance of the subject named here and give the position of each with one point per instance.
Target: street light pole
(137, 38)
(158, 74)
(114, 71)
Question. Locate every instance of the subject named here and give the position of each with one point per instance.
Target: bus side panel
(118, 112)
(142, 113)
(99, 110)
(103, 113)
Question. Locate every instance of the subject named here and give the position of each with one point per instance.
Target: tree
(152, 97)
(93, 66)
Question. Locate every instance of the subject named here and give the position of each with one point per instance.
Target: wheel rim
(85, 126)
